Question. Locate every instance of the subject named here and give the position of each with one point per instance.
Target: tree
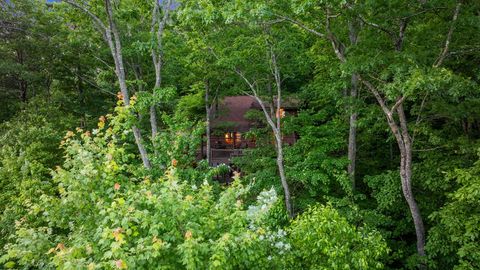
(160, 16)
(274, 122)
(111, 35)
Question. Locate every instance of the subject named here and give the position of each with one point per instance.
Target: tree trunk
(153, 122)
(352, 134)
(402, 136)
(157, 56)
(281, 171)
(112, 37)
(23, 90)
(406, 178)
(275, 126)
(22, 84)
(278, 133)
(207, 113)
(116, 49)
(81, 95)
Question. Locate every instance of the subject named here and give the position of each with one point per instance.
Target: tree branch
(444, 52)
(401, 35)
(338, 46)
(398, 103)
(377, 96)
(389, 114)
(301, 25)
(99, 24)
(374, 25)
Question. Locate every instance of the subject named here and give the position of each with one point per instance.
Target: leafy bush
(322, 239)
(109, 213)
(28, 151)
(454, 241)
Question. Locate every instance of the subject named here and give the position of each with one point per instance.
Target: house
(229, 125)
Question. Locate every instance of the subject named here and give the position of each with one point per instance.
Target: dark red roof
(232, 110)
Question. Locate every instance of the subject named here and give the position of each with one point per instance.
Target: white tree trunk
(352, 133)
(113, 39)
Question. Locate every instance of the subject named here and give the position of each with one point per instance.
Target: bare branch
(152, 29)
(157, 54)
(377, 96)
(161, 26)
(389, 114)
(278, 83)
(268, 23)
(429, 149)
(422, 105)
(265, 111)
(464, 51)
(251, 85)
(444, 52)
(301, 25)
(338, 46)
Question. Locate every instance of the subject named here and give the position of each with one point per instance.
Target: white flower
(279, 244)
(265, 201)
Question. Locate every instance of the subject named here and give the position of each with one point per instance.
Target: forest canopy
(215, 134)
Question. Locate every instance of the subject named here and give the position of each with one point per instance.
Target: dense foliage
(105, 105)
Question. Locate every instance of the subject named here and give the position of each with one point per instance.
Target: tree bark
(281, 171)
(406, 178)
(275, 126)
(279, 149)
(153, 122)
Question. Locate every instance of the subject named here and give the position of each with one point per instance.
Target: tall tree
(160, 16)
(273, 120)
(112, 36)
(353, 26)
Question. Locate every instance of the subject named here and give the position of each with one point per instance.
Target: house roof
(232, 110)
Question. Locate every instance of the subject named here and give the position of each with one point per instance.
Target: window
(229, 138)
(233, 137)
